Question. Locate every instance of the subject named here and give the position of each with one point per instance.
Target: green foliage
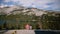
(18, 21)
(50, 21)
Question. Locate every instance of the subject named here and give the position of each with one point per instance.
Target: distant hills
(20, 9)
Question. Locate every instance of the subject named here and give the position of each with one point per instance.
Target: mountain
(20, 9)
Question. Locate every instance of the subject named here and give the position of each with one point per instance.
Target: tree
(50, 21)
(5, 25)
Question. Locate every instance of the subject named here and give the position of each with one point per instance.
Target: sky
(41, 4)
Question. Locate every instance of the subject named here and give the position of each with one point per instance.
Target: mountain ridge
(17, 9)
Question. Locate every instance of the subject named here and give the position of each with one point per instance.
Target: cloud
(42, 4)
(10, 0)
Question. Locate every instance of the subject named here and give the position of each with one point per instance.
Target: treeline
(46, 21)
(51, 21)
(17, 21)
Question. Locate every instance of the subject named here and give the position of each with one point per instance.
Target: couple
(28, 27)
